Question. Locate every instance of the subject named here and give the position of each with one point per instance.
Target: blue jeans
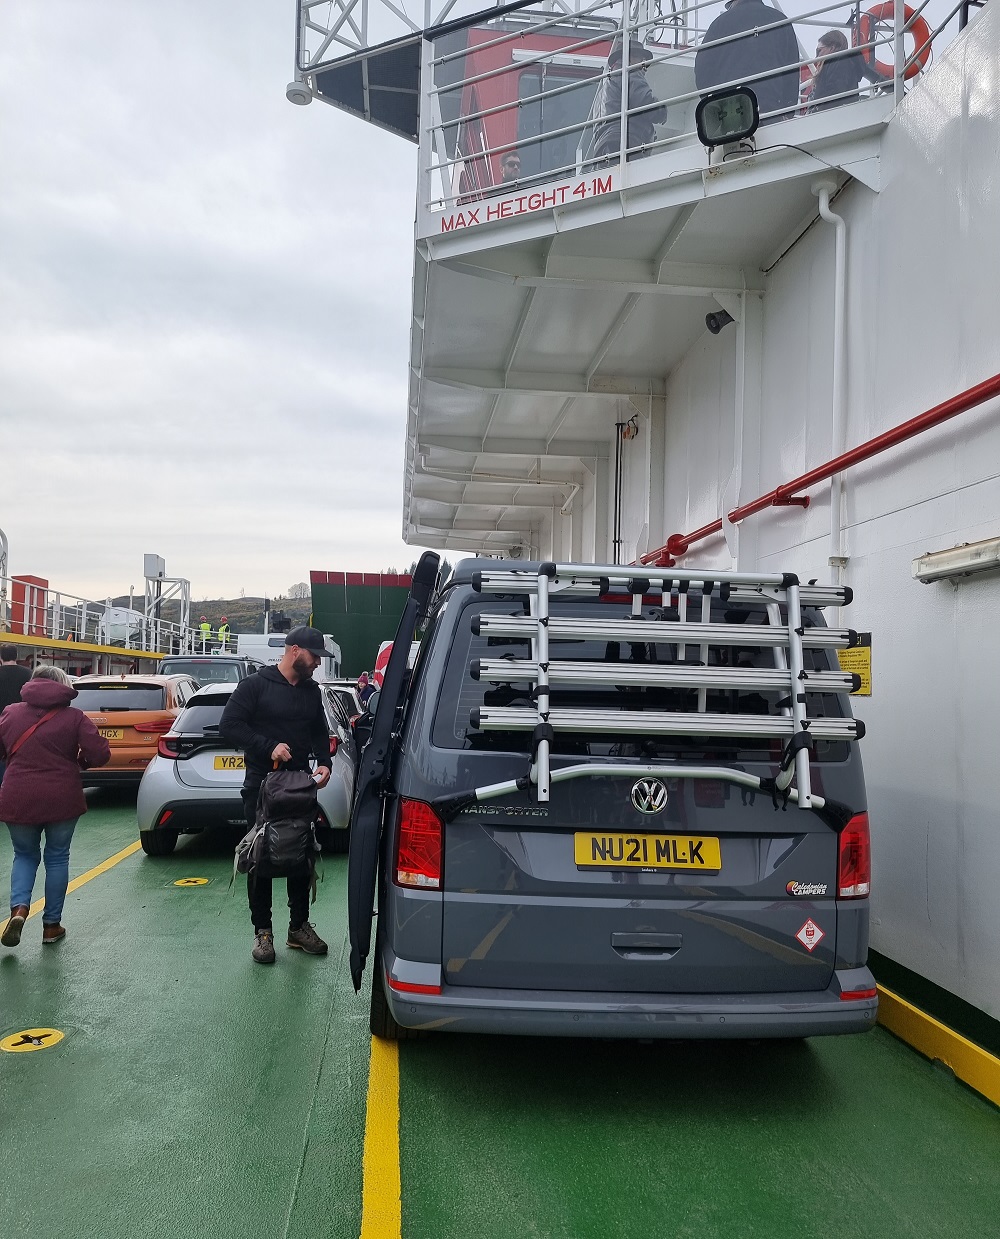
(27, 841)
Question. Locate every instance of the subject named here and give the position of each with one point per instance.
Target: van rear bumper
(549, 1013)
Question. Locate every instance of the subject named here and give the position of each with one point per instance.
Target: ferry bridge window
(549, 113)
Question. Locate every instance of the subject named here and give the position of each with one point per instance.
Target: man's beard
(303, 668)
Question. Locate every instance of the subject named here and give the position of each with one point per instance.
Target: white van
(268, 649)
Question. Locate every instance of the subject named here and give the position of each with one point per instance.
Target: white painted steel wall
(922, 293)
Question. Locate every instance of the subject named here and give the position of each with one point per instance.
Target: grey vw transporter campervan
(610, 802)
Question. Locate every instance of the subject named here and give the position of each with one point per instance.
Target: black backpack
(282, 842)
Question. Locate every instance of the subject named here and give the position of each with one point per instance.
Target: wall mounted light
(958, 561)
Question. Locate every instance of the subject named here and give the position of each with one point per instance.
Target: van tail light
(418, 849)
(334, 745)
(854, 866)
(851, 995)
(169, 746)
(407, 987)
(157, 727)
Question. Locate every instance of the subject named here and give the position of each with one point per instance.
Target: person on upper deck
(768, 43)
(46, 743)
(837, 72)
(608, 104)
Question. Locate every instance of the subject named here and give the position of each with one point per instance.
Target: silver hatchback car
(195, 779)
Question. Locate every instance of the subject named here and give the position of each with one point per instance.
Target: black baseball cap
(307, 638)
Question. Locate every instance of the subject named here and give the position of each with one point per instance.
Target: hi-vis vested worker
(206, 632)
(223, 633)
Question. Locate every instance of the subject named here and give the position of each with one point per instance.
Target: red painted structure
(786, 494)
(28, 605)
(498, 56)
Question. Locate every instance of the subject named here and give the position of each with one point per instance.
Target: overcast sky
(204, 303)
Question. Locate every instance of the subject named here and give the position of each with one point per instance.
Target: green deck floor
(201, 1096)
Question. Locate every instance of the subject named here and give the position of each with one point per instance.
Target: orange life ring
(865, 29)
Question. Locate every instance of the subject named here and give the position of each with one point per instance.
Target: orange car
(131, 712)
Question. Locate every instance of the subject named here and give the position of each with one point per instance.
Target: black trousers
(259, 884)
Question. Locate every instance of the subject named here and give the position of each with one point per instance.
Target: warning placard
(859, 660)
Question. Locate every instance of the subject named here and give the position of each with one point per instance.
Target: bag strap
(33, 728)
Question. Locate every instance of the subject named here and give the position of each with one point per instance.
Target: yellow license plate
(112, 733)
(229, 763)
(623, 851)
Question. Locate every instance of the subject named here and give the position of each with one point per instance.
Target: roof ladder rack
(674, 626)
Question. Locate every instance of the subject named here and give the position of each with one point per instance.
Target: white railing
(540, 86)
(31, 610)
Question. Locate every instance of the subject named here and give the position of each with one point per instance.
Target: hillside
(243, 614)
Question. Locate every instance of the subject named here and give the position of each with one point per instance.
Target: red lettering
(520, 204)
(474, 216)
(602, 186)
(493, 212)
(534, 202)
(447, 223)
(507, 209)
(580, 191)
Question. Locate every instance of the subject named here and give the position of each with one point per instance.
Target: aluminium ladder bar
(786, 640)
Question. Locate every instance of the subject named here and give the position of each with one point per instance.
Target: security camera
(716, 321)
(298, 93)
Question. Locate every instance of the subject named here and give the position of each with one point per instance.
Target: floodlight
(958, 561)
(727, 116)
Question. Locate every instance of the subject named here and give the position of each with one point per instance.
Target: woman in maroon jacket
(42, 792)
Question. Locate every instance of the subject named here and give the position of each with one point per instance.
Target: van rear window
(460, 693)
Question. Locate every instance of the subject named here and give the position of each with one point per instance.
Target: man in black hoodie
(276, 716)
(768, 43)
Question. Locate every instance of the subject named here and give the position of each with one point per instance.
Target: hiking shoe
(305, 938)
(52, 933)
(12, 933)
(263, 947)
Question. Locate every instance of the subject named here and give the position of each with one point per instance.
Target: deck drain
(191, 882)
(28, 1039)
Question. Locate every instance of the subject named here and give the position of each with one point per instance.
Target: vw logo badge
(649, 795)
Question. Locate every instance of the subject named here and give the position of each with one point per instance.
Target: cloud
(205, 303)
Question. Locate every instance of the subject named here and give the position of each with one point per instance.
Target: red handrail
(782, 496)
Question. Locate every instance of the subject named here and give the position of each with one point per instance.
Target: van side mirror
(372, 703)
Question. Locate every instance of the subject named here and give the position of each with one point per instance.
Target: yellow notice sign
(191, 882)
(31, 1039)
(859, 660)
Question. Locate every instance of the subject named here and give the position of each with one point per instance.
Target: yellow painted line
(84, 878)
(380, 1196)
(84, 647)
(971, 1064)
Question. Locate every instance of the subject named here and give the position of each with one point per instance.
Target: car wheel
(158, 842)
(380, 1019)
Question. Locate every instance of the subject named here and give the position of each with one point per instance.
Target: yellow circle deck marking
(31, 1039)
(191, 882)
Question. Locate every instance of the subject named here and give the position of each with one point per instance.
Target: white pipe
(838, 421)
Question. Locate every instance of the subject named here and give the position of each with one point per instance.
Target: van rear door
(717, 893)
